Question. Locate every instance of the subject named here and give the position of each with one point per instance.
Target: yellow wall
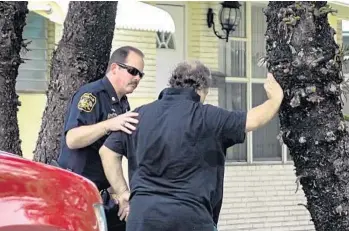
(33, 105)
(202, 43)
(335, 20)
(29, 120)
(342, 10)
(145, 41)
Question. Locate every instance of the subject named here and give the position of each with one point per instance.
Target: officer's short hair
(120, 55)
(192, 74)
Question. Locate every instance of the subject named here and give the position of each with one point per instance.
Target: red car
(40, 197)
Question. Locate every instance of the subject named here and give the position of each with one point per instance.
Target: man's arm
(83, 136)
(233, 125)
(112, 165)
(83, 126)
(262, 114)
(114, 147)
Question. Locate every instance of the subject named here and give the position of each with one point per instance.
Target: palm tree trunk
(82, 56)
(12, 22)
(304, 58)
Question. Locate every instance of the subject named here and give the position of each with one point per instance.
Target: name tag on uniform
(112, 115)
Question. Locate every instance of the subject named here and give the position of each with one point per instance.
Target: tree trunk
(82, 56)
(306, 61)
(12, 21)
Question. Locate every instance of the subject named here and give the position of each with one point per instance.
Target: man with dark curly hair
(176, 155)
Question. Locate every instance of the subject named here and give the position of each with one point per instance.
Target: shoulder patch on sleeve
(87, 102)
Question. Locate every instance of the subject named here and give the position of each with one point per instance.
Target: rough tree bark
(82, 56)
(306, 61)
(12, 21)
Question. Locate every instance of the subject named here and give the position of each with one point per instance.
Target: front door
(170, 46)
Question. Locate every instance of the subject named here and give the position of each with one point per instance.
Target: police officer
(176, 153)
(97, 109)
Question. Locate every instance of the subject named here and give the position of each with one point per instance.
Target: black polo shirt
(91, 104)
(220, 184)
(176, 157)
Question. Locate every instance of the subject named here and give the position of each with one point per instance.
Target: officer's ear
(114, 67)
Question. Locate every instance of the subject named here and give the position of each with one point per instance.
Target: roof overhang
(132, 15)
(342, 7)
(341, 2)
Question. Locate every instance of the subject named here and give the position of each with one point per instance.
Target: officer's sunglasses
(131, 70)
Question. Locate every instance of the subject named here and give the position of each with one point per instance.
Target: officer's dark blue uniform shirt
(176, 157)
(91, 104)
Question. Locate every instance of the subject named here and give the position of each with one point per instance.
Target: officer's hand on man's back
(124, 122)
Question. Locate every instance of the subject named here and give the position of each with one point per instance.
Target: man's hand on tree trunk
(273, 89)
(262, 114)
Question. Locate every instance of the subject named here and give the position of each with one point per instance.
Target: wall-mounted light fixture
(229, 18)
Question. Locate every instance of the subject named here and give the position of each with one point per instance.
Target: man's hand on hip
(123, 201)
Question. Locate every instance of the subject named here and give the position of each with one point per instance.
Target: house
(345, 34)
(260, 180)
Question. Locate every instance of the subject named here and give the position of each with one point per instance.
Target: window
(32, 73)
(165, 40)
(266, 147)
(233, 97)
(244, 85)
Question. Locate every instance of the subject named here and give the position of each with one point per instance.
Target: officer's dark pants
(111, 211)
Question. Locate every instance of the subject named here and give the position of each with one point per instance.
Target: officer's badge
(87, 102)
(112, 115)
